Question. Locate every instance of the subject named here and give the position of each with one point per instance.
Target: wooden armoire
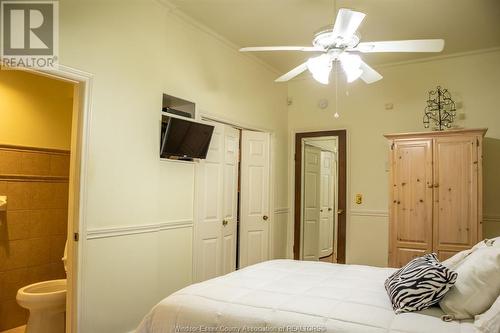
(435, 193)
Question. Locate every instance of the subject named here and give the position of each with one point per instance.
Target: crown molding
(440, 57)
(183, 17)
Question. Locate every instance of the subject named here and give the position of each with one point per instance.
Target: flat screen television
(184, 139)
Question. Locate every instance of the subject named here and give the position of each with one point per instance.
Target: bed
(293, 296)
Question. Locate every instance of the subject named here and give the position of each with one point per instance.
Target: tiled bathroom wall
(33, 230)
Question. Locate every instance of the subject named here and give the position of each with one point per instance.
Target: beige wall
(35, 111)
(473, 79)
(137, 50)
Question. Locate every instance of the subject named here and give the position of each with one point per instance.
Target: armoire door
(312, 203)
(217, 186)
(255, 216)
(412, 185)
(455, 194)
(326, 224)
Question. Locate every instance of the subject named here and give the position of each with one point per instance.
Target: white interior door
(334, 226)
(230, 201)
(217, 186)
(311, 217)
(254, 212)
(326, 207)
(208, 242)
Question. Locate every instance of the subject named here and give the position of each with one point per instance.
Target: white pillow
(454, 261)
(489, 322)
(477, 285)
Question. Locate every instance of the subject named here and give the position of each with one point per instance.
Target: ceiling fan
(341, 43)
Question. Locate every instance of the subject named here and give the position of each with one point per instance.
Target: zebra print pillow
(420, 284)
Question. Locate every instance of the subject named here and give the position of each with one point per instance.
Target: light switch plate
(359, 199)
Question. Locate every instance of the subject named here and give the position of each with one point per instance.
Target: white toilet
(46, 302)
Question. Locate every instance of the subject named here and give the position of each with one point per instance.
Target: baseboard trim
(117, 231)
(367, 212)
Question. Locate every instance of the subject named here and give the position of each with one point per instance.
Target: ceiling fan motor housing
(326, 39)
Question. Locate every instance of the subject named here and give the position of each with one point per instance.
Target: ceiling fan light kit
(341, 43)
(320, 68)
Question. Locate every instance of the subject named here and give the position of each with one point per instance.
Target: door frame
(342, 190)
(77, 231)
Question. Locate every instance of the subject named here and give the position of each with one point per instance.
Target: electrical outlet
(359, 199)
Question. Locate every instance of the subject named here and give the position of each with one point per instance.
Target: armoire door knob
(224, 222)
(330, 209)
(265, 217)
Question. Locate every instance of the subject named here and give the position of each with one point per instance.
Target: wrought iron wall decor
(440, 109)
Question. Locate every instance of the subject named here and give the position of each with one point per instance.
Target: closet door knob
(265, 217)
(330, 209)
(224, 222)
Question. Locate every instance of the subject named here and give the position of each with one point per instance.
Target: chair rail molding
(369, 212)
(491, 218)
(117, 231)
(282, 210)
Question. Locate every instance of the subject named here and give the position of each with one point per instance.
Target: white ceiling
(465, 25)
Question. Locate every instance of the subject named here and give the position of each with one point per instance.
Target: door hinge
(477, 142)
(392, 146)
(76, 236)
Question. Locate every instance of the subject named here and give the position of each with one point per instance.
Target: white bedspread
(286, 296)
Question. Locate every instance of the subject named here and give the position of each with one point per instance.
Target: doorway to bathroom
(39, 186)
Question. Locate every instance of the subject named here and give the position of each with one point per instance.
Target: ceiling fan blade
(282, 48)
(293, 73)
(347, 22)
(369, 75)
(419, 45)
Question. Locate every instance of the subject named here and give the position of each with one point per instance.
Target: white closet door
(208, 235)
(254, 213)
(311, 217)
(230, 199)
(326, 207)
(217, 189)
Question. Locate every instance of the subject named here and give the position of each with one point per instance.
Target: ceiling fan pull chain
(336, 114)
